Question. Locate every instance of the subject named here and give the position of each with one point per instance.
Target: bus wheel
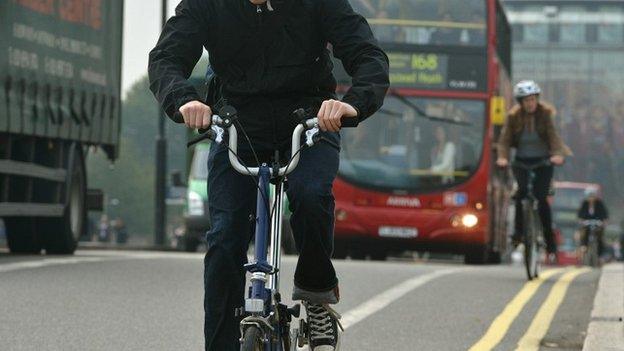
(340, 249)
(357, 253)
(378, 254)
(478, 255)
(494, 257)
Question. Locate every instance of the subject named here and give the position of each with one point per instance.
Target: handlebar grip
(177, 116)
(216, 119)
(349, 122)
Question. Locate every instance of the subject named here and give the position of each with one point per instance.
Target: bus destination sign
(431, 71)
(437, 71)
(418, 70)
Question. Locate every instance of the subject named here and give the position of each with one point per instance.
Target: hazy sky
(141, 30)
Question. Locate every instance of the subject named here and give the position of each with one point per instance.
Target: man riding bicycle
(530, 130)
(269, 58)
(592, 208)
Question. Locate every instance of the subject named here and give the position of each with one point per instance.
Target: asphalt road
(113, 300)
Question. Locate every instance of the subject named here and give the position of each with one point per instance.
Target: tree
(131, 179)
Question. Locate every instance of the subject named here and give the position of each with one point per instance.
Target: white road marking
(105, 255)
(385, 298)
(142, 254)
(162, 255)
(349, 318)
(46, 262)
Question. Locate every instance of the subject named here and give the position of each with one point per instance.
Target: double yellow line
(538, 328)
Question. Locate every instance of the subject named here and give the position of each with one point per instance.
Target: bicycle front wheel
(531, 245)
(593, 251)
(252, 340)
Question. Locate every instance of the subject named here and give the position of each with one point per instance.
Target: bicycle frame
(263, 308)
(591, 256)
(530, 203)
(265, 242)
(262, 301)
(260, 267)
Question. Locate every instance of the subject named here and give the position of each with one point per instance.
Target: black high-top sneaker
(323, 327)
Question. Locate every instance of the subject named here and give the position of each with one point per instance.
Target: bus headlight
(341, 215)
(469, 220)
(195, 204)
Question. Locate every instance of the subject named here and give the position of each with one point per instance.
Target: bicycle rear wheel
(252, 340)
(531, 245)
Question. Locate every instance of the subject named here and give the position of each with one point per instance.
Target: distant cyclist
(530, 130)
(592, 207)
(269, 58)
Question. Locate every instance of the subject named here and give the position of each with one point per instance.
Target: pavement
(138, 300)
(606, 328)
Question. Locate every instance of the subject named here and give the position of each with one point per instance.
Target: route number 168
(427, 62)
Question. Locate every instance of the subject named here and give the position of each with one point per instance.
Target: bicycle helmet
(526, 88)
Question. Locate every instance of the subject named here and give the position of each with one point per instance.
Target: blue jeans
(232, 200)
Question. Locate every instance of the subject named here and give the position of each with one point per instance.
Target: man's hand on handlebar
(557, 160)
(331, 113)
(196, 114)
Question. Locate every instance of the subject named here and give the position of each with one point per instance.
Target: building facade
(575, 50)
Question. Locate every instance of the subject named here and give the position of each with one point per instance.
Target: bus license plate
(398, 232)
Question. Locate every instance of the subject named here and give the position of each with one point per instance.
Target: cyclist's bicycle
(533, 235)
(591, 255)
(266, 323)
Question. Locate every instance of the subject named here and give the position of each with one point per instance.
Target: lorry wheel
(61, 234)
(21, 236)
(190, 243)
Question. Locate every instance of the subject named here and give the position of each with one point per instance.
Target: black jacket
(259, 54)
(600, 211)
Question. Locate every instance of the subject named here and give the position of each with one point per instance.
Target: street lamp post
(551, 13)
(161, 166)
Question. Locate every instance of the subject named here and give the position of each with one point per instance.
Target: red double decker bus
(420, 174)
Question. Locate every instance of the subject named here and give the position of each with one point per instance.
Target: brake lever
(312, 136)
(214, 133)
(219, 133)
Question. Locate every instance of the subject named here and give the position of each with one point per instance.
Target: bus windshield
(568, 198)
(415, 144)
(426, 22)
